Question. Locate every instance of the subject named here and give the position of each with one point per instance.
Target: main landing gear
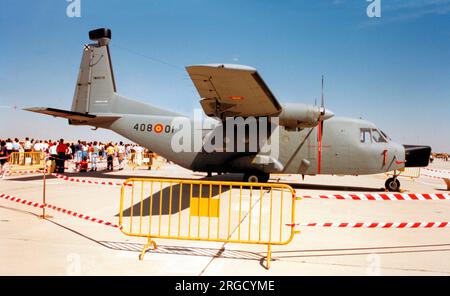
(256, 177)
(392, 184)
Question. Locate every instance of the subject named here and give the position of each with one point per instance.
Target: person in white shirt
(45, 146)
(38, 146)
(9, 146)
(52, 151)
(121, 155)
(27, 146)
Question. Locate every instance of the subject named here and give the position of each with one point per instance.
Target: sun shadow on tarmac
(333, 187)
(109, 175)
(165, 249)
(162, 205)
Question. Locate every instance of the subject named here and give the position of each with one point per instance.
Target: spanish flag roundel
(159, 128)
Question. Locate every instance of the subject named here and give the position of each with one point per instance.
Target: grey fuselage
(343, 153)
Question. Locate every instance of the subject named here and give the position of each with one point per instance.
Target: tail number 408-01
(156, 128)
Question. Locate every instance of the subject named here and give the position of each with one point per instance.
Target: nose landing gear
(392, 184)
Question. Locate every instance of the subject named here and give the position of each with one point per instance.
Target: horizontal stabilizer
(62, 113)
(77, 118)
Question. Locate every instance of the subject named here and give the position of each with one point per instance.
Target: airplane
(311, 140)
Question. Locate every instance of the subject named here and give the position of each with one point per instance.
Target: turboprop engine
(295, 116)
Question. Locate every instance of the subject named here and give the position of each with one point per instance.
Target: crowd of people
(82, 153)
(443, 156)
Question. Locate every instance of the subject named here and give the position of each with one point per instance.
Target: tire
(256, 177)
(392, 185)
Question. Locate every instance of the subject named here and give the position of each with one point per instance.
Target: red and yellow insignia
(159, 128)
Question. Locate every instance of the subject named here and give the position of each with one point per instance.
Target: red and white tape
(438, 171)
(434, 177)
(436, 174)
(58, 209)
(76, 180)
(383, 196)
(9, 173)
(375, 224)
(62, 177)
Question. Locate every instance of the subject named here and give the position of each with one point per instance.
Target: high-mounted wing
(233, 90)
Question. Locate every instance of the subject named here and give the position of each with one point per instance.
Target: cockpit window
(385, 136)
(366, 135)
(377, 137)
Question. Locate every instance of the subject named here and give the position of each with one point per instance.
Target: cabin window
(378, 137)
(366, 135)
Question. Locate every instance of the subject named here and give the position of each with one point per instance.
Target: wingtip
(225, 66)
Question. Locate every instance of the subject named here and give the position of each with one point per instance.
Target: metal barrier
(136, 160)
(228, 212)
(26, 160)
(412, 173)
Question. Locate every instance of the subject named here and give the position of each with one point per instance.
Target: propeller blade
(322, 103)
(320, 132)
(319, 145)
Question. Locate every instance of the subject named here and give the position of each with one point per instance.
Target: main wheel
(392, 184)
(256, 177)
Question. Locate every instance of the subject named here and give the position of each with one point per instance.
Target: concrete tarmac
(64, 245)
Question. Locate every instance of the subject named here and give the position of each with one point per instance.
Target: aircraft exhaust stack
(102, 36)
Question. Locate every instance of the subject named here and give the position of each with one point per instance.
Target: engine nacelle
(297, 116)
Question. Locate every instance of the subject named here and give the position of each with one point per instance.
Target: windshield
(385, 136)
(377, 137)
(372, 135)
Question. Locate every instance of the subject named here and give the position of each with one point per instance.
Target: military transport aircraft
(310, 139)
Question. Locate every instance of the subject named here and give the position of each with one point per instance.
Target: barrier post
(44, 187)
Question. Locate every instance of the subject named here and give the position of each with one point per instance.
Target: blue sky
(393, 70)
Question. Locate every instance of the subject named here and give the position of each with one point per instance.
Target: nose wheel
(392, 184)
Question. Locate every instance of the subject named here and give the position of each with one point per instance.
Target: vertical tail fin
(95, 87)
(95, 93)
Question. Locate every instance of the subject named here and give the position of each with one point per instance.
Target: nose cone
(417, 156)
(328, 114)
